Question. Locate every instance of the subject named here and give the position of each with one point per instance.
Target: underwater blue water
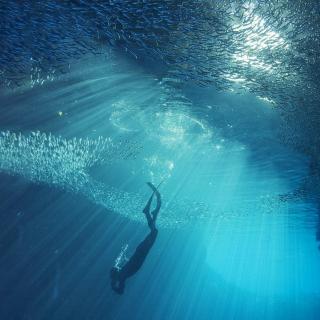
(238, 231)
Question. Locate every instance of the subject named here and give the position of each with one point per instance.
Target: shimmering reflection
(236, 217)
(149, 132)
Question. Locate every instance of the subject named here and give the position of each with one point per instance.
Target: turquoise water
(239, 224)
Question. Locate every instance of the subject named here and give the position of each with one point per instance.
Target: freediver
(120, 275)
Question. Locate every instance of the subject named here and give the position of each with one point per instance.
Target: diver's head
(120, 288)
(114, 274)
(117, 284)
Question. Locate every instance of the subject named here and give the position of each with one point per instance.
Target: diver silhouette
(119, 275)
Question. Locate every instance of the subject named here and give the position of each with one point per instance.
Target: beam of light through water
(240, 178)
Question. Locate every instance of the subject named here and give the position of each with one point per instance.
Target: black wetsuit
(119, 276)
(135, 262)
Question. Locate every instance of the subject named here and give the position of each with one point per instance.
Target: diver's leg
(146, 211)
(148, 205)
(155, 212)
(157, 209)
(150, 220)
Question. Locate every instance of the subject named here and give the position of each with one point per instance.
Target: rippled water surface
(218, 100)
